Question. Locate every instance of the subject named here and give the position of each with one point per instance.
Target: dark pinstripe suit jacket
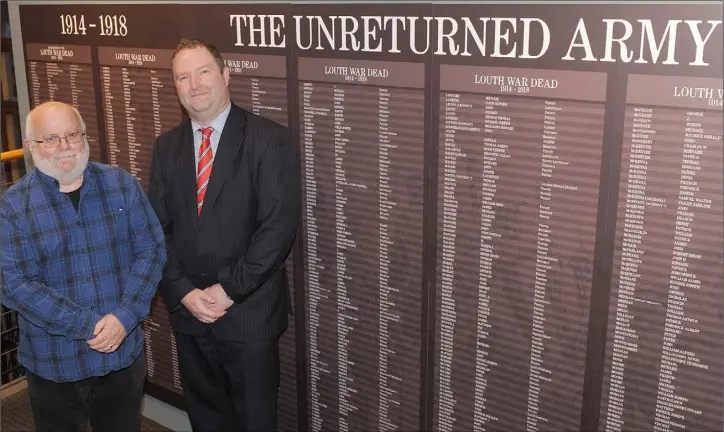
(245, 230)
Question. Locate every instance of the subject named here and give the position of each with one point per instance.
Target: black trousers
(229, 386)
(113, 402)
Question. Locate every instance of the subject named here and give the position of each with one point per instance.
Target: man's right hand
(197, 302)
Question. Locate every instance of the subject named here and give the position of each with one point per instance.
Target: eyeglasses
(52, 141)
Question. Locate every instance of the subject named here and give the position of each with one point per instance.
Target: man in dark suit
(225, 186)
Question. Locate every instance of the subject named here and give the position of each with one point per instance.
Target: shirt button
(78, 223)
(87, 279)
(93, 308)
(84, 250)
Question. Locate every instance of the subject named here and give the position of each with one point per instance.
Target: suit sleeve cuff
(175, 291)
(226, 281)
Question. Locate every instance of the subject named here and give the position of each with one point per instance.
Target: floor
(17, 417)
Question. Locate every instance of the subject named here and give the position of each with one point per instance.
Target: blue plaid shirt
(63, 270)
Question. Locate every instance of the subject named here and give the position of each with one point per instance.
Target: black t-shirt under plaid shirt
(63, 270)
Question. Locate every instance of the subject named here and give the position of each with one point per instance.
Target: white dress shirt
(217, 125)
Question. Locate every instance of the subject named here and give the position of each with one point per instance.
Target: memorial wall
(512, 214)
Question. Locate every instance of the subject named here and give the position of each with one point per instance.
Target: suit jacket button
(204, 274)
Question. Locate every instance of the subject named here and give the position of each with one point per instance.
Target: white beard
(48, 165)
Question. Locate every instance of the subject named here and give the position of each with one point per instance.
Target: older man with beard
(82, 254)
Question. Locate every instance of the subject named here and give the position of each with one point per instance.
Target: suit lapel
(232, 138)
(187, 171)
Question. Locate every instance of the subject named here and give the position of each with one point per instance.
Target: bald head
(49, 110)
(55, 135)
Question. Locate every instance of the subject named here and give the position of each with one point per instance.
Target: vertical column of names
(518, 190)
(363, 167)
(666, 297)
(64, 73)
(161, 355)
(345, 309)
(494, 152)
(315, 119)
(140, 103)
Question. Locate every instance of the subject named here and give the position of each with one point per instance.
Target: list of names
(519, 157)
(161, 355)
(64, 73)
(259, 84)
(139, 103)
(362, 138)
(663, 368)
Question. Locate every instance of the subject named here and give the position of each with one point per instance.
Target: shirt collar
(217, 124)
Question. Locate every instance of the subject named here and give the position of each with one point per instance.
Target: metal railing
(12, 155)
(11, 167)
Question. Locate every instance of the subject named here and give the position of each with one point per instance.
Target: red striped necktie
(204, 168)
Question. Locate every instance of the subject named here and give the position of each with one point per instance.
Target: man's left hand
(223, 302)
(109, 333)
